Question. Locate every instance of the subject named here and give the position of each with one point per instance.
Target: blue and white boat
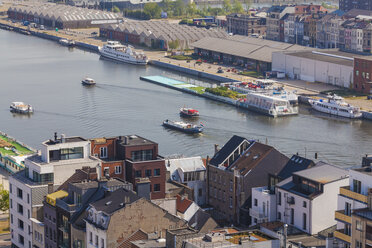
(183, 127)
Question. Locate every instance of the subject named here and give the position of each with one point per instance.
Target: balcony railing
(345, 191)
(256, 214)
(340, 215)
(344, 237)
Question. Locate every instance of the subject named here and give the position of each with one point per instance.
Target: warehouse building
(157, 34)
(251, 53)
(326, 66)
(62, 16)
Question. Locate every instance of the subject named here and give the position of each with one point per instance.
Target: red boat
(189, 112)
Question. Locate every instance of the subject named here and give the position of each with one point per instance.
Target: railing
(345, 191)
(340, 215)
(256, 214)
(340, 235)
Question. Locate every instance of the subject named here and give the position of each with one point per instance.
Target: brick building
(363, 74)
(246, 24)
(134, 159)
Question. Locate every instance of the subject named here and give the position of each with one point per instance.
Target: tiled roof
(116, 200)
(182, 204)
(126, 243)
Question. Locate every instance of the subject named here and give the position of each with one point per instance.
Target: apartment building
(347, 5)
(327, 29)
(353, 208)
(308, 198)
(58, 160)
(190, 172)
(274, 15)
(121, 213)
(263, 206)
(134, 159)
(246, 24)
(233, 171)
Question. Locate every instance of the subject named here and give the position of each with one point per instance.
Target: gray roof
(247, 47)
(323, 173)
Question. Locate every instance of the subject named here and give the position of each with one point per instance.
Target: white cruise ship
(268, 105)
(115, 50)
(335, 105)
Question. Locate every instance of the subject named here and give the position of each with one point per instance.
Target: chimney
(125, 140)
(55, 136)
(50, 188)
(216, 149)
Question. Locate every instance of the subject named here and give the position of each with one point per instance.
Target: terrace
(10, 147)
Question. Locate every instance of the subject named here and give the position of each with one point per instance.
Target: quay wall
(191, 71)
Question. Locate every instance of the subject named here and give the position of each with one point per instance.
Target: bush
(223, 91)
(180, 57)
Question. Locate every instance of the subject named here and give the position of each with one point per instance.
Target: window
(142, 155)
(138, 173)
(231, 185)
(148, 173)
(367, 75)
(118, 169)
(304, 204)
(21, 239)
(71, 153)
(156, 187)
(231, 203)
(11, 203)
(357, 73)
(200, 192)
(255, 202)
(304, 221)
(292, 216)
(20, 224)
(28, 198)
(96, 243)
(357, 186)
(19, 193)
(358, 244)
(28, 213)
(359, 226)
(347, 209)
(279, 215)
(280, 198)
(157, 172)
(20, 209)
(10, 188)
(11, 218)
(103, 152)
(106, 171)
(90, 237)
(102, 243)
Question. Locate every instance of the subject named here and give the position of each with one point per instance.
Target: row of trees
(178, 8)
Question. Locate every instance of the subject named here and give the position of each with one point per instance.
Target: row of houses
(158, 34)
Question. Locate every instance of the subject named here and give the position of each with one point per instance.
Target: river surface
(48, 76)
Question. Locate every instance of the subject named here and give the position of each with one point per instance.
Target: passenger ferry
(335, 105)
(115, 50)
(21, 107)
(183, 127)
(268, 105)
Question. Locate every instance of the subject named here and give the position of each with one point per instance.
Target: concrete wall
(263, 197)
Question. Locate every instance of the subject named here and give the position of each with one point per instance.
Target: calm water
(48, 76)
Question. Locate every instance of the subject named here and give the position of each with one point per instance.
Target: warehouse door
(296, 73)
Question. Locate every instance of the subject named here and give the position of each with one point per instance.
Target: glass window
(72, 153)
(359, 226)
(142, 155)
(20, 209)
(19, 193)
(304, 204)
(255, 202)
(118, 169)
(103, 152)
(157, 172)
(280, 198)
(230, 202)
(138, 173)
(156, 187)
(148, 173)
(279, 215)
(20, 224)
(357, 186)
(304, 221)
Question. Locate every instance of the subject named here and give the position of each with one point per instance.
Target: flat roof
(323, 173)
(335, 56)
(365, 170)
(149, 243)
(131, 140)
(66, 140)
(246, 47)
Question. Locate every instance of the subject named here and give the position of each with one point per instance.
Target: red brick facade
(362, 75)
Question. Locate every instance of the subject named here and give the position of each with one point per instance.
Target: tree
(173, 44)
(237, 7)
(115, 9)
(4, 199)
(153, 9)
(226, 6)
(179, 8)
(191, 9)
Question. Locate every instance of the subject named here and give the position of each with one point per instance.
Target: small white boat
(335, 105)
(88, 81)
(21, 107)
(67, 42)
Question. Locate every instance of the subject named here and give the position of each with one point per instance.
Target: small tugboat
(335, 105)
(88, 81)
(183, 127)
(189, 112)
(21, 107)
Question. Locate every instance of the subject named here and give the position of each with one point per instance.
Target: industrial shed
(62, 16)
(252, 53)
(325, 66)
(157, 34)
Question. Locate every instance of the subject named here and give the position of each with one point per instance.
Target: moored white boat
(335, 105)
(116, 51)
(21, 107)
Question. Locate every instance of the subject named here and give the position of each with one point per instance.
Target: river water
(48, 76)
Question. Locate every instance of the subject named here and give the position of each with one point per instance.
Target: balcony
(256, 214)
(345, 191)
(344, 237)
(341, 216)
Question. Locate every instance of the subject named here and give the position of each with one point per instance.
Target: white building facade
(263, 205)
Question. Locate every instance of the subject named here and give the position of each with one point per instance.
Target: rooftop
(323, 173)
(116, 200)
(149, 243)
(183, 204)
(64, 140)
(186, 164)
(364, 213)
(11, 147)
(331, 56)
(295, 163)
(365, 170)
(133, 140)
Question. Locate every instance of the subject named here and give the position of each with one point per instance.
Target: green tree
(237, 7)
(226, 6)
(179, 8)
(167, 4)
(115, 9)
(153, 10)
(4, 199)
(173, 44)
(192, 9)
